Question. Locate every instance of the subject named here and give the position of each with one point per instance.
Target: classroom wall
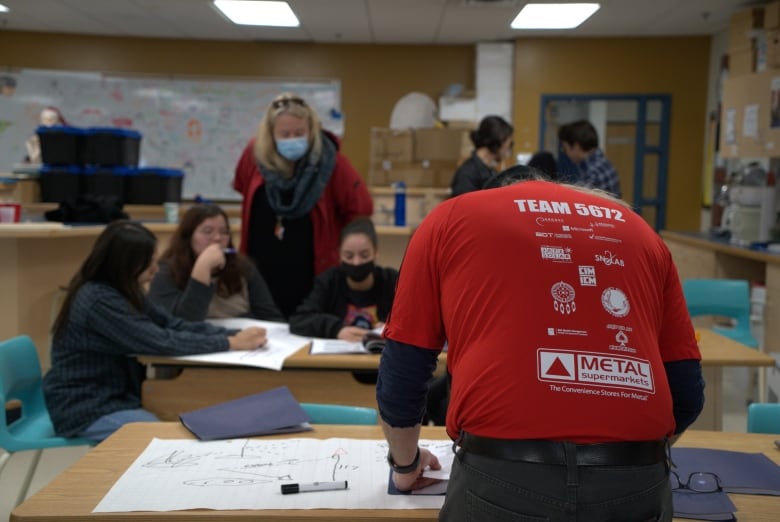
(373, 77)
(676, 66)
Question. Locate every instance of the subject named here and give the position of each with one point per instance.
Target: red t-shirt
(559, 308)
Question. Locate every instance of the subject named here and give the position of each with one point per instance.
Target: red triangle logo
(557, 368)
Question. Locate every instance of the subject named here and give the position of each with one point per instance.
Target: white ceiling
(363, 21)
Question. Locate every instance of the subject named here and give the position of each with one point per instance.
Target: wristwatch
(404, 469)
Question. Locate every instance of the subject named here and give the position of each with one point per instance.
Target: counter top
(706, 241)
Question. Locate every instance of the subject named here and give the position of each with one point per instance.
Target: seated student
(201, 276)
(94, 386)
(348, 301)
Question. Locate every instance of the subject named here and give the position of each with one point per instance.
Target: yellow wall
(676, 66)
(374, 77)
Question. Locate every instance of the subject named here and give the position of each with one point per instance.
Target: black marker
(288, 489)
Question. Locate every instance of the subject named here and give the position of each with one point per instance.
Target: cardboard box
(772, 15)
(742, 23)
(413, 174)
(452, 108)
(391, 144)
(742, 61)
(438, 144)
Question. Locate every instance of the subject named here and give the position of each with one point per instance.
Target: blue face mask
(293, 148)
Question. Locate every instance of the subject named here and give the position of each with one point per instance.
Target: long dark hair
(120, 254)
(181, 258)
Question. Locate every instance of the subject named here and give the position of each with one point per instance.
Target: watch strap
(404, 469)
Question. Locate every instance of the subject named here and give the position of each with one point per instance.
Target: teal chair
(20, 380)
(763, 417)
(723, 298)
(338, 414)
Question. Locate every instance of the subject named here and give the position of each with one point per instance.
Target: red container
(10, 217)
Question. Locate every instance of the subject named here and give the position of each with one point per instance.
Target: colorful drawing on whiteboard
(199, 126)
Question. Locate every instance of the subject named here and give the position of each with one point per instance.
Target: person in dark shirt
(202, 276)
(94, 384)
(352, 299)
(492, 144)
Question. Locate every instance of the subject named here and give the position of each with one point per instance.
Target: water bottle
(400, 203)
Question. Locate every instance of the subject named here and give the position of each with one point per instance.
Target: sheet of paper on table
(174, 475)
(281, 344)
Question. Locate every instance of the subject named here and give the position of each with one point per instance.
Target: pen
(288, 489)
(228, 250)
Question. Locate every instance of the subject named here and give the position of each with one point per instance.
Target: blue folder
(267, 413)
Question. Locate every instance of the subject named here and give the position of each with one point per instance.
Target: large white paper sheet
(281, 344)
(175, 475)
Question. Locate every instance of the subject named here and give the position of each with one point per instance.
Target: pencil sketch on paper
(247, 474)
(257, 462)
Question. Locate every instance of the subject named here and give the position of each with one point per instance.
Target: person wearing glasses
(202, 276)
(94, 384)
(574, 362)
(298, 191)
(492, 145)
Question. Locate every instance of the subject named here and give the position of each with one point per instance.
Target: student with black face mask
(350, 300)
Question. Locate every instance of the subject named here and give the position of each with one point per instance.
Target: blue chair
(763, 417)
(20, 380)
(338, 414)
(723, 298)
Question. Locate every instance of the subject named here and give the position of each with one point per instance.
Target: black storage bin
(112, 146)
(153, 186)
(106, 180)
(61, 145)
(60, 182)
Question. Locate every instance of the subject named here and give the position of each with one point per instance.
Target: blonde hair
(265, 145)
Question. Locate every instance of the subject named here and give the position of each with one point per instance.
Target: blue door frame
(642, 148)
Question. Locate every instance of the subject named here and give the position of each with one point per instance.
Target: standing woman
(350, 300)
(94, 385)
(299, 192)
(201, 276)
(492, 145)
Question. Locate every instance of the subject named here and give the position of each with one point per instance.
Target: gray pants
(482, 489)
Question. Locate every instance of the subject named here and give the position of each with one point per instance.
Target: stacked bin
(62, 152)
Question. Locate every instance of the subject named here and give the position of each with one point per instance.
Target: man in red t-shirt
(572, 355)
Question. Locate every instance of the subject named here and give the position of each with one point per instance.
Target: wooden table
(37, 259)
(717, 352)
(311, 378)
(71, 496)
(328, 378)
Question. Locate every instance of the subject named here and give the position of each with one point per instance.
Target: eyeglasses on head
(285, 102)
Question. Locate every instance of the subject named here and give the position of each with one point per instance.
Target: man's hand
(415, 480)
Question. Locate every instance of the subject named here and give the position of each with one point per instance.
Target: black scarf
(305, 187)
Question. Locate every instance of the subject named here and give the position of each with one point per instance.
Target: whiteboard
(200, 126)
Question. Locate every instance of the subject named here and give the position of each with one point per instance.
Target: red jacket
(344, 198)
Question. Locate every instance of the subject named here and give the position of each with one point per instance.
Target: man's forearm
(402, 442)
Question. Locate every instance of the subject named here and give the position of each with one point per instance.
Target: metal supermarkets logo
(595, 369)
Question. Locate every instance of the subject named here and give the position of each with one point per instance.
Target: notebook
(267, 413)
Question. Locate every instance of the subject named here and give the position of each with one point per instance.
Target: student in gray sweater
(202, 276)
(94, 384)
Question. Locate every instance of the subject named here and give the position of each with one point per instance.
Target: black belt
(642, 453)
